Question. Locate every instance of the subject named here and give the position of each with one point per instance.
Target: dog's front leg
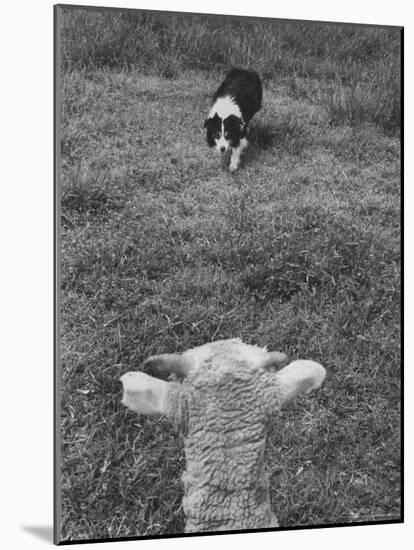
(235, 154)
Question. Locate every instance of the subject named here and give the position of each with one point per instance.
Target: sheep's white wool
(224, 107)
(253, 355)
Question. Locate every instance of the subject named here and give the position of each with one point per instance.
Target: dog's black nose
(222, 148)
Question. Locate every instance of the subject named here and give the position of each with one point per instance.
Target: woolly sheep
(222, 395)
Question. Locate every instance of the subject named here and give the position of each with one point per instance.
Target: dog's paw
(233, 167)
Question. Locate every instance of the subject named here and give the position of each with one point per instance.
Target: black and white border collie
(235, 102)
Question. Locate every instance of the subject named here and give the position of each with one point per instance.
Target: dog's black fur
(245, 87)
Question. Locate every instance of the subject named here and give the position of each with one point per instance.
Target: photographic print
(228, 274)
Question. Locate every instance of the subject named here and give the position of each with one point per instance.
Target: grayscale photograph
(228, 274)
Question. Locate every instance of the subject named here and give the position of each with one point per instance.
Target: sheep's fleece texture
(222, 407)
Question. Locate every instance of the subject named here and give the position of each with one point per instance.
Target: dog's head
(224, 134)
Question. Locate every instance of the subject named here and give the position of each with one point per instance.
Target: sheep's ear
(300, 377)
(274, 360)
(169, 363)
(144, 394)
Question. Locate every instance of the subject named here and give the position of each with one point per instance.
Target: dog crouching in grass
(235, 103)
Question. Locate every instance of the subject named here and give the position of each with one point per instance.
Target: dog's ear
(209, 121)
(235, 124)
(233, 119)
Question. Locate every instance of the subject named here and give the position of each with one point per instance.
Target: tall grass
(357, 68)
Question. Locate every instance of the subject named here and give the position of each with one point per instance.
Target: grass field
(163, 249)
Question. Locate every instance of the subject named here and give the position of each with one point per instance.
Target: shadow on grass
(264, 136)
(287, 134)
(261, 138)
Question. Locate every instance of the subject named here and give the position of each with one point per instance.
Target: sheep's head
(222, 395)
(220, 370)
